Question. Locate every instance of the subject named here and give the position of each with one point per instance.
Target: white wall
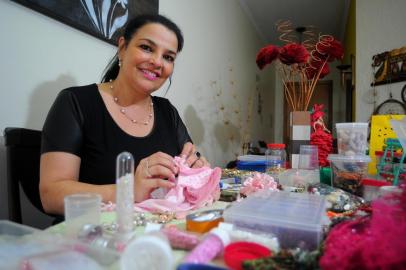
(380, 26)
(216, 69)
(41, 56)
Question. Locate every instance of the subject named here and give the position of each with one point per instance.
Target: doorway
(323, 94)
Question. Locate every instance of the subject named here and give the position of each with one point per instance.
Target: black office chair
(23, 150)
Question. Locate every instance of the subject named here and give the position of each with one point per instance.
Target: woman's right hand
(151, 173)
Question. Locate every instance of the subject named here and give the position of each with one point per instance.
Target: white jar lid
(148, 252)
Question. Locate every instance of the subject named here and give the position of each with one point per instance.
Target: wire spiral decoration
(289, 34)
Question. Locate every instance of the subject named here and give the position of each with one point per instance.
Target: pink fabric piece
(194, 188)
(258, 181)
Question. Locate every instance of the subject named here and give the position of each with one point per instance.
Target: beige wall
(42, 56)
(380, 26)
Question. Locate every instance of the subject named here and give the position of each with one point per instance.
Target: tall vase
(299, 130)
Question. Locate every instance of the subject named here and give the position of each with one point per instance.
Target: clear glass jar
(275, 158)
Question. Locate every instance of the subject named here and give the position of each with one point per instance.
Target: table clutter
(265, 219)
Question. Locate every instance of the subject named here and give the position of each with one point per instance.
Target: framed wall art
(389, 67)
(103, 19)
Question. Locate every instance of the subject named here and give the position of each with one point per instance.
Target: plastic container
(387, 191)
(347, 172)
(309, 157)
(81, 209)
(251, 163)
(150, 251)
(275, 159)
(352, 138)
(297, 219)
(125, 194)
(371, 188)
(298, 179)
(23, 247)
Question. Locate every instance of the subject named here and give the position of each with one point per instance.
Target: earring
(119, 62)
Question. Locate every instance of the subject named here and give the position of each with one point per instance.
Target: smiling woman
(89, 126)
(103, 19)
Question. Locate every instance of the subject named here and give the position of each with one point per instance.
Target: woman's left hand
(193, 158)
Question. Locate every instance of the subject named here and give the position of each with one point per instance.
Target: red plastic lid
(275, 145)
(375, 183)
(388, 154)
(236, 253)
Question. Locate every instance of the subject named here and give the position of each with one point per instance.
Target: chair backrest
(23, 150)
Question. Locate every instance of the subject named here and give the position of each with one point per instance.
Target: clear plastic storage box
(251, 163)
(297, 219)
(352, 138)
(23, 247)
(348, 171)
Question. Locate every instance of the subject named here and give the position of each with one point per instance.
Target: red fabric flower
(267, 55)
(293, 53)
(324, 71)
(330, 48)
(314, 67)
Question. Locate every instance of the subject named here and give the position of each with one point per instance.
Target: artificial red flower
(293, 53)
(267, 55)
(330, 48)
(314, 68)
(324, 71)
(336, 51)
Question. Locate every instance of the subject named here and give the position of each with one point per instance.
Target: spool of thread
(210, 247)
(180, 239)
(150, 251)
(204, 221)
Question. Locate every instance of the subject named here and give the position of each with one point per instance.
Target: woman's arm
(59, 174)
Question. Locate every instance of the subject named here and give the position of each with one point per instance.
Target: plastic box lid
(283, 208)
(351, 125)
(297, 219)
(252, 158)
(344, 158)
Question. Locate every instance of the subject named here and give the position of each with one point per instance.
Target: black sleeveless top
(79, 123)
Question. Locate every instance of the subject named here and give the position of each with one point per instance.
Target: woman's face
(148, 59)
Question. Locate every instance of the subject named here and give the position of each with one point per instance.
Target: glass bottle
(275, 158)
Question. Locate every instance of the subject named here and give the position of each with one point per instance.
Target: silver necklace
(124, 112)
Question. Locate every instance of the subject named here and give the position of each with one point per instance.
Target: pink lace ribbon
(258, 181)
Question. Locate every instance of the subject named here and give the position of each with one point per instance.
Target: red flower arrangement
(301, 66)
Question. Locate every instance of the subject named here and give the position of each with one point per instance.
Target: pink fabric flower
(258, 182)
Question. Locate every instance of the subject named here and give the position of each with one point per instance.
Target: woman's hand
(193, 158)
(151, 173)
